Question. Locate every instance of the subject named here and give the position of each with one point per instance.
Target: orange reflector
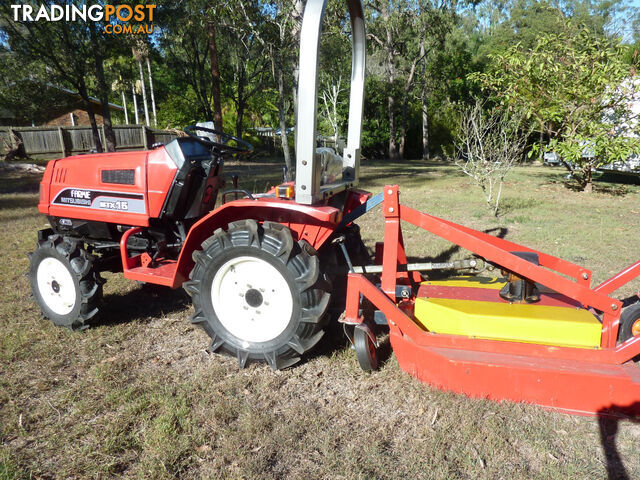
(285, 191)
(635, 328)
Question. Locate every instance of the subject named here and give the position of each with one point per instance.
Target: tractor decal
(101, 200)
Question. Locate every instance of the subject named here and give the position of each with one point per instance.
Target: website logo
(118, 19)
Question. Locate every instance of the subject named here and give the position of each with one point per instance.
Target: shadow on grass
(19, 182)
(609, 183)
(620, 178)
(599, 187)
(9, 203)
(144, 303)
(608, 421)
(333, 340)
(447, 255)
(148, 302)
(407, 175)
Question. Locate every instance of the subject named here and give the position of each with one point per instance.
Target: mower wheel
(64, 282)
(366, 351)
(258, 294)
(629, 323)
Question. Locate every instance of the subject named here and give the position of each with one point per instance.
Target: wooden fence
(271, 141)
(56, 142)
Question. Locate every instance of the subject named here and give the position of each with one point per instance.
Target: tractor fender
(314, 224)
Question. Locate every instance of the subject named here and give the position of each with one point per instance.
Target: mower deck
(461, 335)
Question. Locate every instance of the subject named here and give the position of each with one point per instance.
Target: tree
(244, 66)
(184, 46)
(141, 51)
(275, 33)
(64, 48)
(97, 45)
(21, 95)
(330, 96)
(387, 24)
(488, 144)
(435, 22)
(215, 76)
(152, 92)
(572, 85)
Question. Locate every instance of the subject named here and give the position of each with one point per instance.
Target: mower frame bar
(497, 251)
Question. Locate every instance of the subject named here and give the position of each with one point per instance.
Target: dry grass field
(137, 396)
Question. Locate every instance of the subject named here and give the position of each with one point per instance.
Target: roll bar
(308, 170)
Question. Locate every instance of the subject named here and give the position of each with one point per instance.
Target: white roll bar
(308, 170)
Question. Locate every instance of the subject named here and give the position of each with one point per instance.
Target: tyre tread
(81, 265)
(299, 258)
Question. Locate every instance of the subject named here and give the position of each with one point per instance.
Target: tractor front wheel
(258, 294)
(64, 282)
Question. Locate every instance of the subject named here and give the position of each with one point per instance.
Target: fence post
(63, 148)
(12, 139)
(145, 139)
(103, 140)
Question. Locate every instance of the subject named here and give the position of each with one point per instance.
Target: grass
(137, 396)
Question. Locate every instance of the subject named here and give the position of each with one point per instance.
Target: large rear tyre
(64, 282)
(258, 294)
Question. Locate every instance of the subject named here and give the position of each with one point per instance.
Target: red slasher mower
(262, 268)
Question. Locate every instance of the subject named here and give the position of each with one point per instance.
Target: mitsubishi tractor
(251, 262)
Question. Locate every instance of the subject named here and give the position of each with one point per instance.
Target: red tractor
(539, 333)
(249, 261)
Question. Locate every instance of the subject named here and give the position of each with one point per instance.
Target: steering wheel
(241, 146)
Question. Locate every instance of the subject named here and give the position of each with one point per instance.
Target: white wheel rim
(251, 299)
(55, 285)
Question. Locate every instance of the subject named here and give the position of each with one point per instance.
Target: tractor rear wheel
(258, 294)
(64, 282)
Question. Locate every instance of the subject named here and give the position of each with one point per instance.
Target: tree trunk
(540, 152)
(425, 127)
(82, 90)
(153, 97)
(239, 118)
(391, 103)
(215, 74)
(144, 94)
(124, 105)
(241, 103)
(135, 104)
(283, 125)
(391, 106)
(403, 129)
(588, 184)
(295, 33)
(110, 137)
(393, 144)
(423, 100)
(405, 104)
